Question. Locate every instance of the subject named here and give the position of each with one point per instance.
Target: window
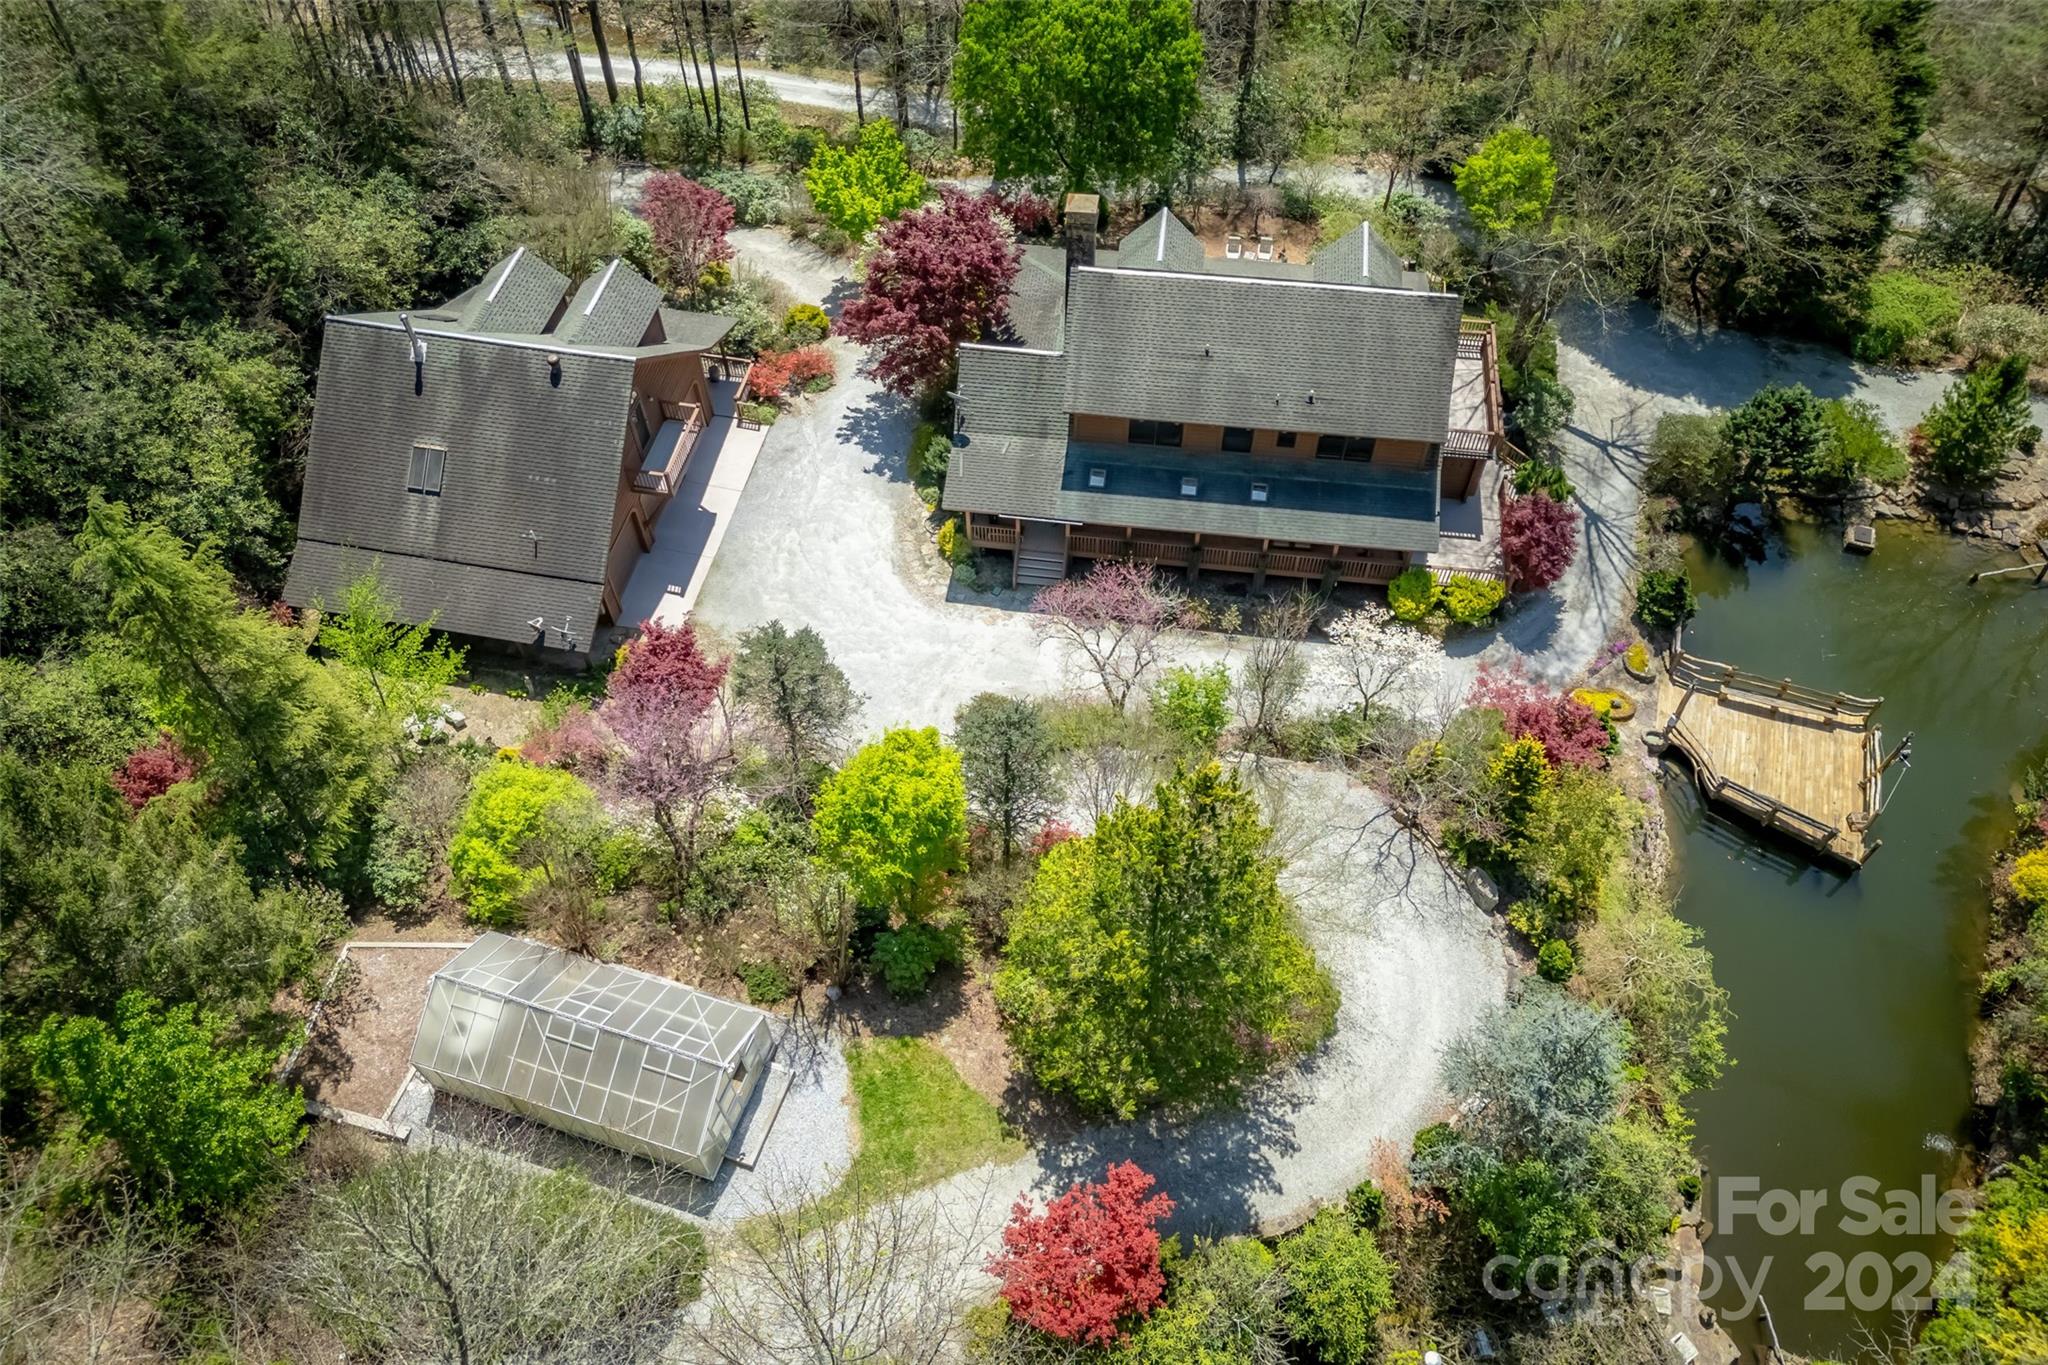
(429, 463)
(1237, 438)
(640, 425)
(1155, 433)
(1344, 448)
(1285, 440)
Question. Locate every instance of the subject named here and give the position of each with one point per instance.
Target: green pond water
(1854, 995)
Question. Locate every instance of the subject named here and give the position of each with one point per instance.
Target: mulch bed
(360, 1046)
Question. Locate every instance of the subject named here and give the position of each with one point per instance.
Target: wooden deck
(1796, 760)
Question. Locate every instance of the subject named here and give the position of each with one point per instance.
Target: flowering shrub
(1089, 1262)
(575, 742)
(2030, 879)
(1539, 537)
(1050, 836)
(1030, 213)
(1412, 595)
(1473, 601)
(152, 770)
(1569, 731)
(775, 373)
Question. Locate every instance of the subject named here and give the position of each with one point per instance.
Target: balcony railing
(661, 470)
(1349, 566)
(992, 537)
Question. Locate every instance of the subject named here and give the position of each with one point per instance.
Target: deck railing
(1718, 679)
(1368, 566)
(993, 537)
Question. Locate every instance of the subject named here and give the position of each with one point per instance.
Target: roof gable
(611, 308)
(518, 294)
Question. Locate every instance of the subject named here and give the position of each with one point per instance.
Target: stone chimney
(1082, 213)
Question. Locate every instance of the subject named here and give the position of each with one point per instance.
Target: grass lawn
(919, 1122)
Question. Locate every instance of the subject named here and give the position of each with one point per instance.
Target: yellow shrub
(952, 544)
(1639, 657)
(2030, 879)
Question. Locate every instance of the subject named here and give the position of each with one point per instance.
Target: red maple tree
(152, 770)
(1539, 537)
(939, 277)
(1090, 1262)
(1569, 730)
(689, 222)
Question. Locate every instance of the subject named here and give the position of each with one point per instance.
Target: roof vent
(1259, 491)
(1189, 486)
(1233, 246)
(1098, 477)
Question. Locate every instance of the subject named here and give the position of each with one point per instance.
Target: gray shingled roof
(518, 294)
(611, 308)
(1171, 346)
(531, 448)
(1361, 256)
(1161, 242)
(525, 453)
(694, 331)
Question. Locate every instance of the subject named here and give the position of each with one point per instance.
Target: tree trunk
(483, 14)
(567, 21)
(604, 50)
(739, 73)
(899, 66)
(860, 111)
(1247, 67)
(519, 28)
(448, 52)
(632, 51)
(682, 17)
(711, 54)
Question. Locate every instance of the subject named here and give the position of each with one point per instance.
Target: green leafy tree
(859, 186)
(1157, 961)
(289, 751)
(1508, 182)
(1222, 1308)
(1077, 94)
(1338, 1284)
(1859, 443)
(1778, 439)
(894, 821)
(2005, 1316)
(789, 678)
(1010, 763)
(1194, 705)
(1651, 967)
(524, 826)
(399, 671)
(1978, 423)
(196, 1121)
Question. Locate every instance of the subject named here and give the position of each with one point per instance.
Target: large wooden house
(1332, 420)
(501, 460)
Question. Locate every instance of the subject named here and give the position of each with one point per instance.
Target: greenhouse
(634, 1061)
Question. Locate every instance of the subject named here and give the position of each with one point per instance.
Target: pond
(1854, 996)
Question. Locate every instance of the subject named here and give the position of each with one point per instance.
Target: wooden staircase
(1041, 555)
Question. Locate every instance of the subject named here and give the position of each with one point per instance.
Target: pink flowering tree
(1114, 623)
(1539, 537)
(1090, 1262)
(663, 702)
(152, 770)
(1569, 730)
(940, 276)
(689, 222)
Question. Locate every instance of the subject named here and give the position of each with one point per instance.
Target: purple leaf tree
(664, 703)
(940, 276)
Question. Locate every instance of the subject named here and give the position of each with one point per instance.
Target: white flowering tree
(1373, 655)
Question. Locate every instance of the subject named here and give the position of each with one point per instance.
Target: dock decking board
(1800, 761)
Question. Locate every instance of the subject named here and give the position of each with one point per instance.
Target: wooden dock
(1799, 761)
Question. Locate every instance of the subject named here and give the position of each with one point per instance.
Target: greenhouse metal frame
(618, 1056)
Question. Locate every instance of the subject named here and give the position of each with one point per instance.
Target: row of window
(1239, 439)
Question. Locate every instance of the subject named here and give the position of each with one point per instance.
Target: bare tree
(1274, 673)
(604, 50)
(1115, 621)
(866, 1277)
(456, 1253)
(490, 25)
